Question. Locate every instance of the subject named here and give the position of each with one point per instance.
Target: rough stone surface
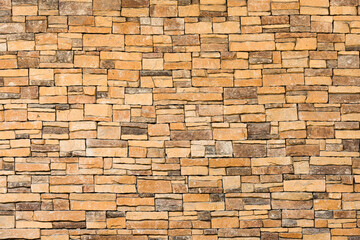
(179, 119)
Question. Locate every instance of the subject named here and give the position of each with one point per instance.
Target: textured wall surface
(179, 119)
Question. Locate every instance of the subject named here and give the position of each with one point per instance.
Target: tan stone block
(21, 45)
(158, 129)
(103, 40)
(119, 222)
(19, 233)
(135, 201)
(7, 222)
(306, 44)
(86, 61)
(126, 28)
(281, 114)
(204, 206)
(48, 216)
(135, 12)
(163, 10)
(147, 225)
(146, 215)
(93, 205)
(252, 46)
(225, 222)
(101, 110)
(229, 134)
(68, 79)
(304, 185)
(259, 5)
(226, 27)
(319, 116)
(192, 10)
(19, 197)
(257, 162)
(41, 74)
(139, 40)
(327, 204)
(154, 186)
(108, 132)
(153, 64)
(106, 152)
(72, 145)
(206, 63)
(139, 99)
(15, 115)
(229, 162)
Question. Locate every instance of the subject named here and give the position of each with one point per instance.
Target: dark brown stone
(237, 232)
(343, 2)
(191, 135)
(114, 214)
(249, 150)
(64, 56)
(345, 214)
(27, 206)
(300, 20)
(204, 216)
(69, 225)
(320, 132)
(9, 95)
(258, 131)
(183, 2)
(324, 214)
(133, 131)
(256, 201)
(234, 204)
(49, 4)
(238, 171)
(271, 20)
(168, 205)
(102, 143)
(29, 92)
(348, 61)
(45, 148)
(7, 206)
(350, 108)
(36, 26)
(313, 72)
(186, 40)
(156, 73)
(344, 98)
(351, 145)
(303, 150)
(75, 8)
(134, 3)
(287, 204)
(275, 214)
(174, 24)
(273, 170)
(346, 81)
(107, 5)
(240, 93)
(55, 130)
(269, 236)
(260, 57)
(326, 170)
(28, 59)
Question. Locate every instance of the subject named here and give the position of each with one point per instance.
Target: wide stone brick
(179, 119)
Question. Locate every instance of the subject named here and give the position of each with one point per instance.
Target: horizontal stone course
(179, 119)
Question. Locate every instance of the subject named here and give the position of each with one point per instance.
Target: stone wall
(179, 119)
